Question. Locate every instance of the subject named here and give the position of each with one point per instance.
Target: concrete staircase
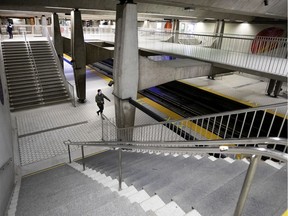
(33, 78)
(65, 191)
(194, 185)
(154, 184)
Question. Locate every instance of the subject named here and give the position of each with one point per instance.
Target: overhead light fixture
(240, 21)
(209, 18)
(189, 9)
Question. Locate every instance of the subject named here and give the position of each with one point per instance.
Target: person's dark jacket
(99, 98)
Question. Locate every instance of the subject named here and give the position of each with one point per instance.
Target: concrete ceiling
(246, 10)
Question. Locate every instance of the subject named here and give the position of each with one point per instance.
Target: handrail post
(69, 153)
(247, 184)
(102, 124)
(83, 162)
(120, 168)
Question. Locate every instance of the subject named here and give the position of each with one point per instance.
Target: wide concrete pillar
(44, 25)
(57, 38)
(126, 64)
(78, 52)
(219, 31)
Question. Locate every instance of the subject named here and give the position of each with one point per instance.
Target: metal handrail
(3, 76)
(223, 35)
(68, 85)
(200, 146)
(33, 63)
(206, 147)
(247, 141)
(6, 164)
(259, 108)
(246, 123)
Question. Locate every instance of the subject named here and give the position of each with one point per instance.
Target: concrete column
(277, 88)
(44, 26)
(57, 38)
(78, 52)
(37, 28)
(271, 86)
(176, 25)
(219, 31)
(126, 64)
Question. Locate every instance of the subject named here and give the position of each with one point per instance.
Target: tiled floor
(42, 131)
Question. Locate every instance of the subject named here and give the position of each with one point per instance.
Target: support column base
(81, 100)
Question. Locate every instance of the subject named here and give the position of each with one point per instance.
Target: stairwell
(154, 183)
(32, 75)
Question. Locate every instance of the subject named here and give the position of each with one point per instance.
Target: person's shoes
(98, 113)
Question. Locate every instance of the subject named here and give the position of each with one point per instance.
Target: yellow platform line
(285, 213)
(253, 105)
(174, 116)
(106, 78)
(220, 94)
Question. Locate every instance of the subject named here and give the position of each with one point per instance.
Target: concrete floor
(42, 131)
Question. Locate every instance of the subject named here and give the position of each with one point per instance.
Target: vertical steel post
(83, 162)
(247, 184)
(69, 153)
(102, 124)
(120, 168)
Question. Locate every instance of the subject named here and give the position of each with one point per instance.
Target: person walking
(99, 99)
(9, 30)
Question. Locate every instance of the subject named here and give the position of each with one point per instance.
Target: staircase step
(267, 196)
(40, 78)
(29, 88)
(154, 203)
(171, 209)
(32, 106)
(44, 95)
(139, 197)
(29, 75)
(43, 85)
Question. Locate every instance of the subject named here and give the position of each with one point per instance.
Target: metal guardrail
(211, 146)
(34, 66)
(253, 53)
(246, 123)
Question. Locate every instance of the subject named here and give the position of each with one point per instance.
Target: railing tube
(246, 185)
(120, 168)
(83, 162)
(69, 153)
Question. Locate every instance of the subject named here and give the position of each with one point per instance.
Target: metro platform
(41, 131)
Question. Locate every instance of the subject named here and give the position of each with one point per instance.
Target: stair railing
(199, 147)
(34, 66)
(263, 121)
(3, 79)
(69, 87)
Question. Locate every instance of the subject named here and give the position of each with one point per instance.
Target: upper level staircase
(33, 77)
